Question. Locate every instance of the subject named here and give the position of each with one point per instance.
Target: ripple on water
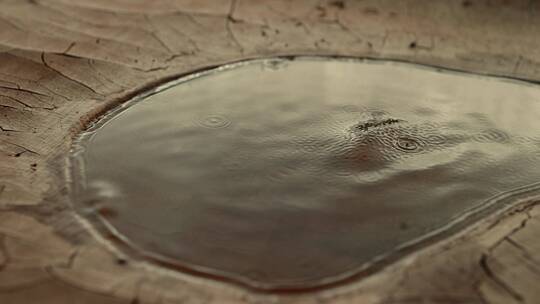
(214, 121)
(294, 174)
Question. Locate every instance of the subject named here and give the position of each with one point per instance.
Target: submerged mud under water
(291, 174)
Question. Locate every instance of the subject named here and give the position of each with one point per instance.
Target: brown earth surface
(63, 62)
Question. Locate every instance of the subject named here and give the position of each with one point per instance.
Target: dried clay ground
(62, 62)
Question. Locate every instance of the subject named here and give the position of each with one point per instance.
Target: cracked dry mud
(65, 62)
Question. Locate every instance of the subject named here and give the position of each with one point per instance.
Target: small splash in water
(408, 144)
(291, 174)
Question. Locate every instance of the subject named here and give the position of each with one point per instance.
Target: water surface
(291, 174)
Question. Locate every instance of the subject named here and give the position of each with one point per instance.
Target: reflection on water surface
(291, 174)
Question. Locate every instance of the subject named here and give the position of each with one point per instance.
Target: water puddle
(291, 174)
